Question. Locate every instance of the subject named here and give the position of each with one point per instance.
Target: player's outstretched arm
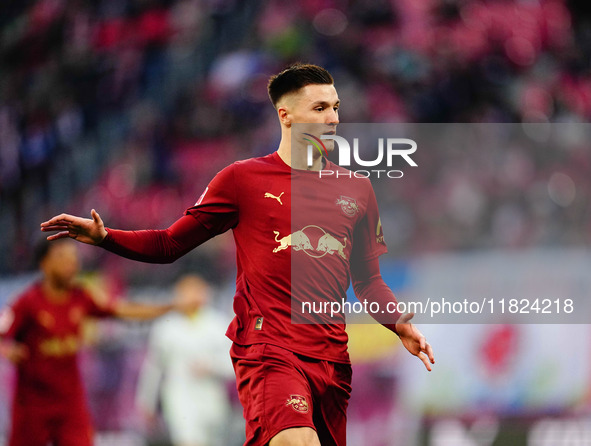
(148, 245)
(85, 230)
(414, 341)
(140, 311)
(145, 311)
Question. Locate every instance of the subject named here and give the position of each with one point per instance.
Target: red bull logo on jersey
(76, 314)
(46, 319)
(348, 205)
(330, 245)
(60, 347)
(312, 240)
(298, 403)
(298, 241)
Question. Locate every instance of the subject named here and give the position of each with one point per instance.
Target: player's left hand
(414, 341)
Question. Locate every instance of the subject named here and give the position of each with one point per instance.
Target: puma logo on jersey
(270, 195)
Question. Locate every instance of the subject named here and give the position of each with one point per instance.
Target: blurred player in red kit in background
(41, 333)
(293, 379)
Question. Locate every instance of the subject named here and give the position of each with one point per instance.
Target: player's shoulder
(28, 297)
(248, 166)
(79, 293)
(258, 162)
(248, 171)
(32, 291)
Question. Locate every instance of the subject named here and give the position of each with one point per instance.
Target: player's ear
(284, 115)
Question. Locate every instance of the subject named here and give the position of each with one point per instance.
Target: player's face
(192, 293)
(316, 104)
(61, 263)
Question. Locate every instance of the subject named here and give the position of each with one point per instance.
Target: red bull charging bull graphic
(302, 241)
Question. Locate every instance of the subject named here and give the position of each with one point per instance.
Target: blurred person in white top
(187, 365)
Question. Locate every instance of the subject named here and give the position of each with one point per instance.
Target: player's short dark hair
(42, 248)
(295, 77)
(40, 251)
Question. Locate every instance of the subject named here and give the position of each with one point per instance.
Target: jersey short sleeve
(13, 318)
(218, 205)
(368, 234)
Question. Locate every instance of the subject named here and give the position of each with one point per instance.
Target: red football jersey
(295, 235)
(49, 378)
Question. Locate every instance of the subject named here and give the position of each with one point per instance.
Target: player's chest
(57, 330)
(306, 216)
(58, 320)
(282, 198)
(190, 340)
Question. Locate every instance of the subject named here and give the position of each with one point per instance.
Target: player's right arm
(152, 246)
(215, 212)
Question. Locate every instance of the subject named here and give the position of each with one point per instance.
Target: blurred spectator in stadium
(41, 333)
(91, 86)
(189, 352)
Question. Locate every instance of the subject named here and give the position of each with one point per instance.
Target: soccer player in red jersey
(41, 334)
(297, 237)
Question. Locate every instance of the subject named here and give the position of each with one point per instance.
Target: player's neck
(54, 291)
(297, 157)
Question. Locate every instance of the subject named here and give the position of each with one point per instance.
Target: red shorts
(36, 426)
(280, 389)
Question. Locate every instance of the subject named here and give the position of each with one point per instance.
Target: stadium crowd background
(131, 107)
